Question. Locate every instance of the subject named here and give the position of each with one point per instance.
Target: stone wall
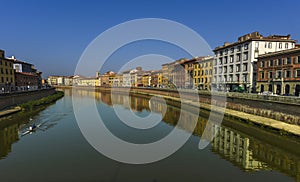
(282, 104)
(8, 100)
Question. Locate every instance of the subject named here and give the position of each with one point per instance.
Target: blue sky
(53, 34)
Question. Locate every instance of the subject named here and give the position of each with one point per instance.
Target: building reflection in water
(232, 145)
(8, 135)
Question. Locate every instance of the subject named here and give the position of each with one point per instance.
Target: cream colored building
(235, 63)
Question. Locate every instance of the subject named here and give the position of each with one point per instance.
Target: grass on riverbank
(29, 106)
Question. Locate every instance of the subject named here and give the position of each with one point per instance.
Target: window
(280, 45)
(225, 69)
(286, 45)
(221, 53)
(289, 60)
(226, 51)
(245, 67)
(297, 60)
(256, 44)
(271, 63)
(220, 70)
(231, 69)
(220, 61)
(246, 56)
(270, 74)
(287, 73)
(231, 59)
(297, 73)
(232, 50)
(278, 74)
(246, 46)
(262, 75)
(237, 78)
(238, 57)
(238, 67)
(262, 64)
(245, 78)
(238, 48)
(279, 61)
(225, 60)
(270, 45)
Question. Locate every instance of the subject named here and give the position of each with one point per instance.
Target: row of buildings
(16, 75)
(254, 63)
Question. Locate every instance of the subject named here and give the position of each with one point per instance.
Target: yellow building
(146, 80)
(117, 81)
(203, 73)
(89, 82)
(7, 75)
(107, 79)
(160, 79)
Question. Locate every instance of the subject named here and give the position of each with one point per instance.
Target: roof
(25, 73)
(288, 51)
(255, 36)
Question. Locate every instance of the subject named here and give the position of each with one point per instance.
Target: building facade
(279, 72)
(7, 74)
(235, 63)
(126, 78)
(26, 81)
(156, 78)
(189, 72)
(203, 73)
(146, 79)
(168, 75)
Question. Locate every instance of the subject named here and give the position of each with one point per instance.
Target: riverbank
(30, 105)
(281, 123)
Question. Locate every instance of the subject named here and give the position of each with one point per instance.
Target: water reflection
(13, 127)
(8, 136)
(241, 149)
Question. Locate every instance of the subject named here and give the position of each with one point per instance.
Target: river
(57, 150)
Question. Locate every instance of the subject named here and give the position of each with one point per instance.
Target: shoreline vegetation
(281, 123)
(32, 106)
(29, 106)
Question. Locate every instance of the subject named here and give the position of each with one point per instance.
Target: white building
(126, 79)
(235, 63)
(61, 80)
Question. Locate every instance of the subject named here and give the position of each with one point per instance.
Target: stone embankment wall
(12, 99)
(282, 108)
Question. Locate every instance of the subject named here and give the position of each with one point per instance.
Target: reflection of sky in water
(62, 154)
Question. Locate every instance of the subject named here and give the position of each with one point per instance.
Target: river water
(57, 150)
